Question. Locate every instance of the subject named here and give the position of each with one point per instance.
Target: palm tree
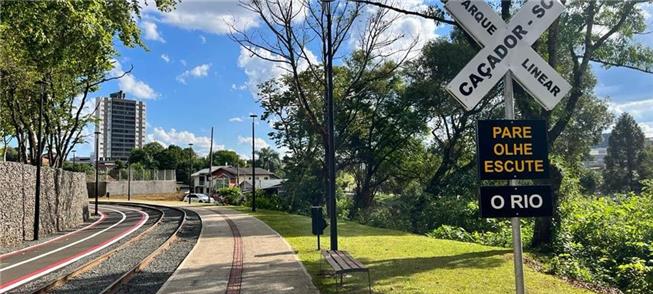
(269, 159)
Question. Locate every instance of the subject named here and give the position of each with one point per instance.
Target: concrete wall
(64, 201)
(137, 187)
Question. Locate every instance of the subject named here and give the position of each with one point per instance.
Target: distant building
(269, 186)
(228, 176)
(598, 153)
(121, 123)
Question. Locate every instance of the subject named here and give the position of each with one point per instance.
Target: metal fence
(136, 175)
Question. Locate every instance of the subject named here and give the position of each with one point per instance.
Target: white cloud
(203, 39)
(183, 62)
(239, 88)
(236, 119)
(165, 58)
(131, 85)
(647, 128)
(641, 110)
(259, 70)
(199, 71)
(259, 143)
(150, 32)
(215, 17)
(201, 144)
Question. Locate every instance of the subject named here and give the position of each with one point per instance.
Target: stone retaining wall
(137, 187)
(64, 201)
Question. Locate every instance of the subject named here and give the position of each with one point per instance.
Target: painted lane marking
(66, 261)
(66, 246)
(102, 217)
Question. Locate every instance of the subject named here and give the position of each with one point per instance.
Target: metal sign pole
(509, 107)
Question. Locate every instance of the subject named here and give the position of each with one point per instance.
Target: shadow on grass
(293, 225)
(387, 272)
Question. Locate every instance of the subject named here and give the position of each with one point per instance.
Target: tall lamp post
(129, 181)
(253, 116)
(330, 111)
(190, 165)
(97, 169)
(211, 167)
(39, 159)
(74, 158)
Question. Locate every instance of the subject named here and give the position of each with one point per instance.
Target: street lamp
(74, 158)
(330, 113)
(253, 116)
(97, 169)
(190, 160)
(39, 153)
(129, 181)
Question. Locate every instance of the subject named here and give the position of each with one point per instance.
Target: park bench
(342, 263)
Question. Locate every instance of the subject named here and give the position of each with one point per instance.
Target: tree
(228, 157)
(571, 43)
(646, 168)
(142, 157)
(292, 28)
(623, 161)
(268, 159)
(59, 51)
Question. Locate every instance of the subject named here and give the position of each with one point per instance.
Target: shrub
(230, 195)
(264, 200)
(501, 237)
(607, 240)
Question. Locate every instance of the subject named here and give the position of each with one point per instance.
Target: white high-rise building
(121, 123)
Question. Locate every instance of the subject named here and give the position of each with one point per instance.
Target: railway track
(90, 278)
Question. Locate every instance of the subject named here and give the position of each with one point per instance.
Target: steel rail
(57, 282)
(124, 278)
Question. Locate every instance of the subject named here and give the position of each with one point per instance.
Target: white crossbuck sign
(507, 47)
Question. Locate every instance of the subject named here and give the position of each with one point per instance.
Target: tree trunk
(543, 230)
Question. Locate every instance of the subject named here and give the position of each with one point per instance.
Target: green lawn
(400, 262)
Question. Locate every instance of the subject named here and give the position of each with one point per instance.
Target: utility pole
(39, 159)
(190, 171)
(74, 158)
(330, 148)
(211, 166)
(253, 116)
(97, 170)
(129, 181)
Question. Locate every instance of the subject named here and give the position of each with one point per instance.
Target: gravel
(122, 261)
(40, 282)
(161, 268)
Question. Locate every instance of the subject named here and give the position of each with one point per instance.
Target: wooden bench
(342, 263)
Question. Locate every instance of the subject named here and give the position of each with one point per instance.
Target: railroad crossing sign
(507, 47)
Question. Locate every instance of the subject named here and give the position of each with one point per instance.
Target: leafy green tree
(120, 164)
(623, 161)
(570, 44)
(61, 51)
(79, 167)
(268, 159)
(646, 168)
(142, 157)
(590, 181)
(153, 148)
(228, 157)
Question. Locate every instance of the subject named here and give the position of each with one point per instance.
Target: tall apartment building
(121, 123)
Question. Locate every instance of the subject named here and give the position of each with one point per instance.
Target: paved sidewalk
(269, 264)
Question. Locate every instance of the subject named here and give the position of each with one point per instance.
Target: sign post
(506, 53)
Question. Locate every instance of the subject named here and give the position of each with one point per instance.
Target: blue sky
(193, 76)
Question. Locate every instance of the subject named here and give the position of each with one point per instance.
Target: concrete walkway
(268, 263)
